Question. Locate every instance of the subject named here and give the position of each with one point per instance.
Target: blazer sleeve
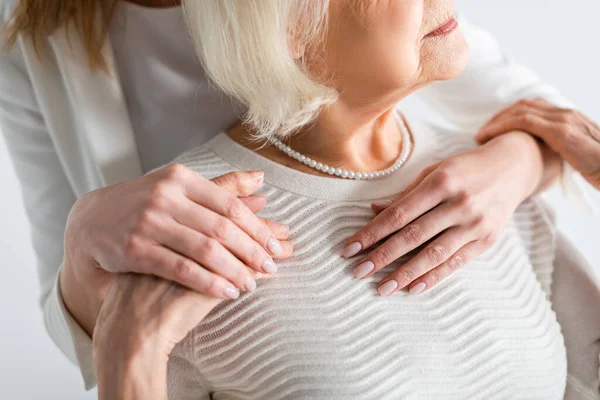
(492, 81)
(46, 193)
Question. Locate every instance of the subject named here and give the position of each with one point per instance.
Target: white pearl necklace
(346, 174)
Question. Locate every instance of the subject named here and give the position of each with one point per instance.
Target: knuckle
(223, 229)
(183, 269)
(413, 234)
(572, 135)
(468, 203)
(436, 254)
(456, 262)
(433, 277)
(382, 256)
(209, 249)
(133, 248)
(146, 223)
(234, 208)
(489, 240)
(209, 285)
(406, 275)
(445, 182)
(397, 217)
(175, 171)
(526, 119)
(367, 238)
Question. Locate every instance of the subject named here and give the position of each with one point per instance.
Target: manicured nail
(388, 288)
(250, 284)
(382, 204)
(258, 176)
(232, 292)
(284, 230)
(274, 246)
(363, 269)
(417, 289)
(351, 250)
(270, 267)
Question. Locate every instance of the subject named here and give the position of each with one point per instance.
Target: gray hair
(244, 46)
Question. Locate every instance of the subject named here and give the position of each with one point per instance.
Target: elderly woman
(335, 321)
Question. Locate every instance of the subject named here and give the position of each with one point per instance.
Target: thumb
(240, 183)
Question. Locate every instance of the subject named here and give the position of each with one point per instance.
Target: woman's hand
(568, 132)
(459, 206)
(141, 321)
(174, 224)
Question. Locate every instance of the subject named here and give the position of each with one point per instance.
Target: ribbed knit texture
(313, 331)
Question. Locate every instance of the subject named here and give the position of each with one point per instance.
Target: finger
(280, 231)
(240, 183)
(533, 122)
(436, 275)
(166, 264)
(230, 235)
(423, 198)
(255, 202)
(520, 107)
(209, 253)
(432, 255)
(379, 206)
(209, 195)
(409, 238)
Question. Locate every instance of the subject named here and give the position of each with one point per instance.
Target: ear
(296, 49)
(298, 52)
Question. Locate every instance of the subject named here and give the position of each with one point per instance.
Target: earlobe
(297, 51)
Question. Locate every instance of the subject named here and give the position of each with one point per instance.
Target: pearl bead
(402, 158)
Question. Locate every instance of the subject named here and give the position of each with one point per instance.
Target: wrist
(75, 297)
(526, 155)
(124, 376)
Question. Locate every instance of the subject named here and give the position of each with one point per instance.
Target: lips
(444, 29)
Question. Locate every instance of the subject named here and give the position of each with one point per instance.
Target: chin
(455, 59)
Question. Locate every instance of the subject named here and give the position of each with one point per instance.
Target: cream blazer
(68, 132)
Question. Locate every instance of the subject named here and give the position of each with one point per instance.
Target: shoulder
(205, 161)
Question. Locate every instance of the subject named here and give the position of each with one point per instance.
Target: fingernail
(363, 269)
(382, 203)
(270, 267)
(388, 288)
(274, 246)
(417, 289)
(351, 250)
(284, 230)
(258, 176)
(232, 293)
(250, 284)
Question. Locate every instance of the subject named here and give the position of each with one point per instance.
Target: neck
(357, 137)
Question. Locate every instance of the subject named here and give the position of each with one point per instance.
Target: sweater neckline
(328, 188)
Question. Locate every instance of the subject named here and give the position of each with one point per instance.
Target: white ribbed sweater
(313, 331)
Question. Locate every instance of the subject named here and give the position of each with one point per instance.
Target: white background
(556, 38)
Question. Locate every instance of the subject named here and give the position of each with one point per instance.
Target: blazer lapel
(100, 108)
